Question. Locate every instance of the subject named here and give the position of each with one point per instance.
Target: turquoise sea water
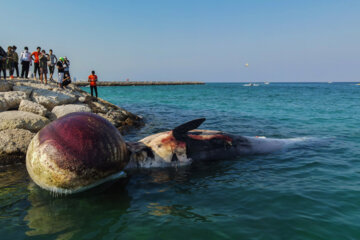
(308, 191)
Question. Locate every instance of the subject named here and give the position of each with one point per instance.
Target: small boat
(251, 85)
(266, 83)
(329, 82)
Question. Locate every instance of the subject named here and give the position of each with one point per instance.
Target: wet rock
(107, 118)
(60, 111)
(33, 107)
(22, 120)
(13, 145)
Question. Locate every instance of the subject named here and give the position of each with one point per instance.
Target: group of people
(43, 63)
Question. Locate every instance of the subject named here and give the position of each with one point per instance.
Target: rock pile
(27, 106)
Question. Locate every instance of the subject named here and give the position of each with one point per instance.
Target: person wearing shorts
(43, 66)
(52, 60)
(36, 61)
(60, 67)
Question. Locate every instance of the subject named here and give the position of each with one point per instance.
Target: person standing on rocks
(93, 79)
(10, 61)
(16, 61)
(3, 62)
(60, 67)
(52, 60)
(36, 61)
(25, 58)
(43, 57)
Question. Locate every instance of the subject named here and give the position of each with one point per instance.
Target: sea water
(310, 190)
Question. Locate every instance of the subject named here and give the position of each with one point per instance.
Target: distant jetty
(109, 84)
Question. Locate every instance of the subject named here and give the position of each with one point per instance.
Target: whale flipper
(180, 131)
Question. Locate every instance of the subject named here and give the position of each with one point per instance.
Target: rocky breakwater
(27, 106)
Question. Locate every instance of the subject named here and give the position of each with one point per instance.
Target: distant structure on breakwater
(108, 84)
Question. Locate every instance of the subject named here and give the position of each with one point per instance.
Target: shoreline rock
(63, 110)
(33, 107)
(14, 143)
(26, 106)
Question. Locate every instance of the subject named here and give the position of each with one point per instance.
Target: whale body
(184, 144)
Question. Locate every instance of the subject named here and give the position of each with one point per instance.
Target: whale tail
(180, 132)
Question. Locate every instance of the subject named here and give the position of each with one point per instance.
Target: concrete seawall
(108, 84)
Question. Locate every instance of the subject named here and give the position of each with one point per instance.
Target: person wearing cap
(16, 61)
(52, 60)
(36, 61)
(25, 59)
(93, 79)
(60, 67)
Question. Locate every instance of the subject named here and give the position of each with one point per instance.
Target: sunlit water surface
(310, 191)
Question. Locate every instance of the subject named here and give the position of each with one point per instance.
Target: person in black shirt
(3, 56)
(60, 67)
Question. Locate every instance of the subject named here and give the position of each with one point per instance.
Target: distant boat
(251, 85)
(329, 82)
(266, 83)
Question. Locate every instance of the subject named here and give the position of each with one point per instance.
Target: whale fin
(181, 130)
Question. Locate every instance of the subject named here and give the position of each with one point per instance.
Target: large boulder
(50, 99)
(85, 98)
(13, 145)
(5, 86)
(22, 120)
(33, 107)
(11, 100)
(28, 90)
(98, 107)
(3, 104)
(63, 110)
(35, 85)
(116, 117)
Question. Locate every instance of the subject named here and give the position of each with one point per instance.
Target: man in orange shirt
(93, 79)
(36, 61)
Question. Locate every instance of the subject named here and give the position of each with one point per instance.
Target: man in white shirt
(25, 58)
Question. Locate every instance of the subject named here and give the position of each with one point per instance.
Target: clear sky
(204, 40)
